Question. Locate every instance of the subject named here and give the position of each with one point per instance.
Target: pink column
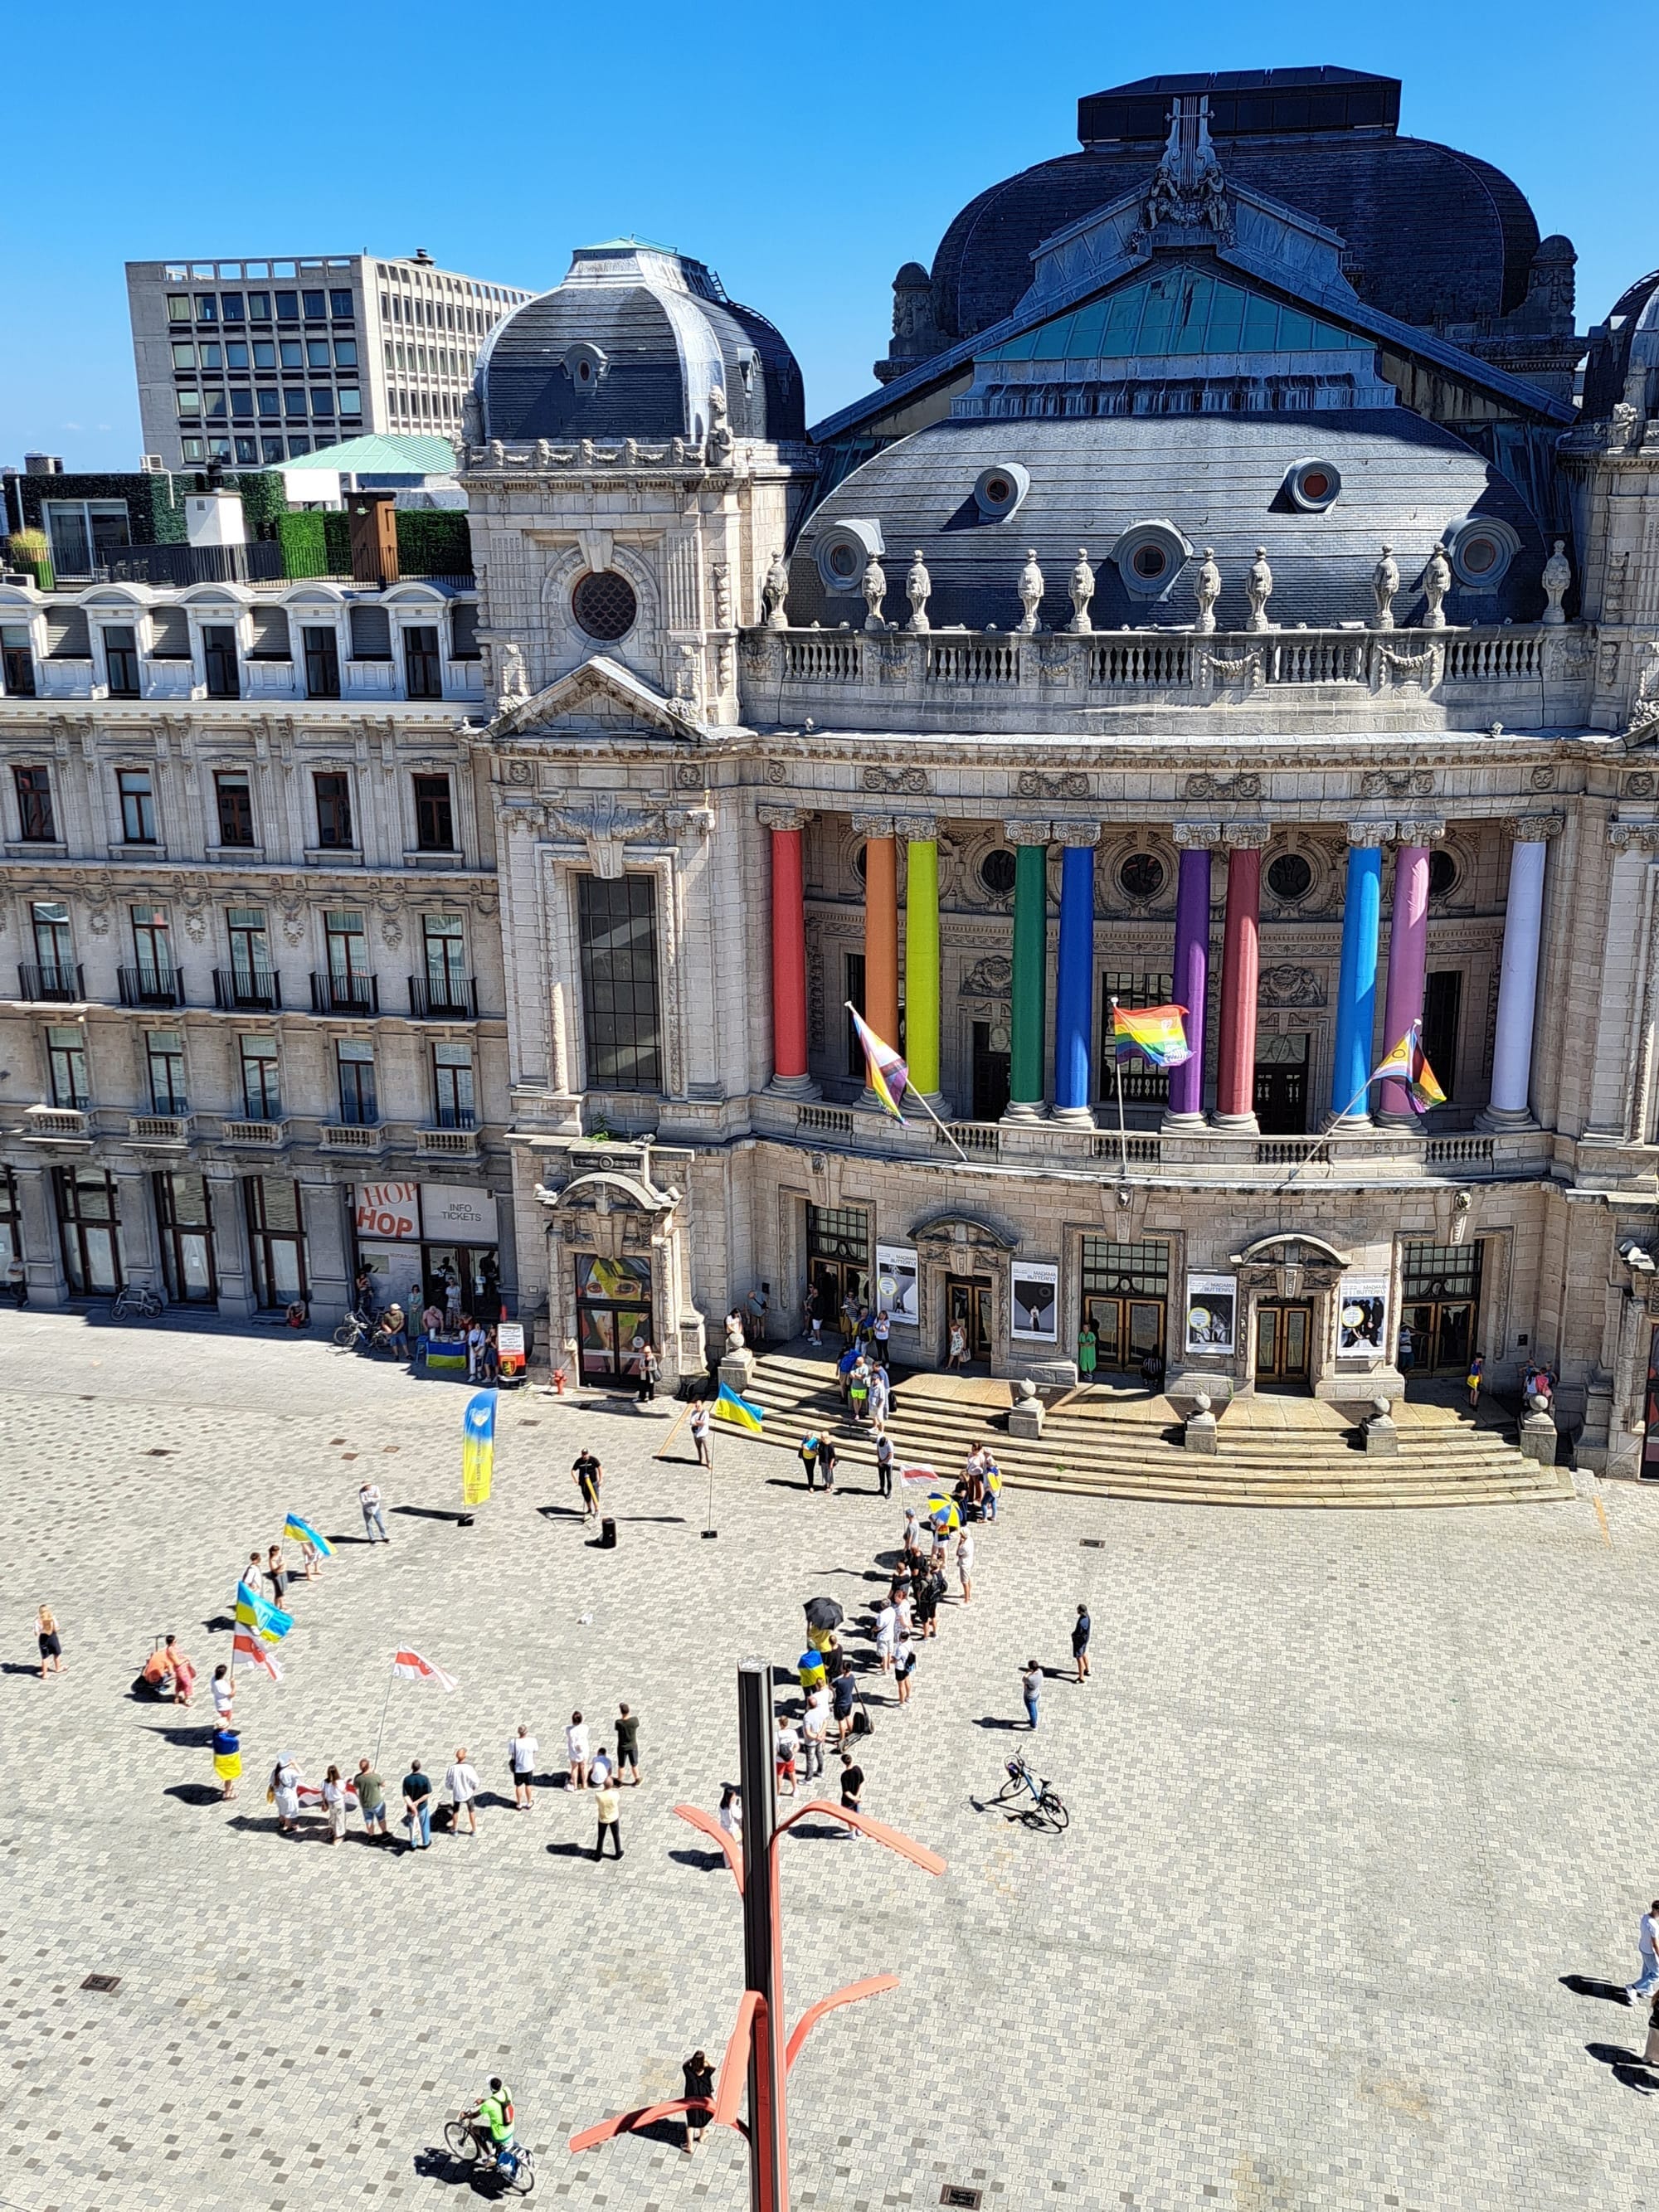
(1409, 953)
(1240, 967)
(788, 952)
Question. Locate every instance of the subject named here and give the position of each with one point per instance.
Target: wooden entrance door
(969, 1301)
(1283, 1339)
(1443, 1334)
(1126, 1331)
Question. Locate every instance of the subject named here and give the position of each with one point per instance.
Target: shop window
(184, 1216)
(275, 1239)
(89, 1226)
(617, 934)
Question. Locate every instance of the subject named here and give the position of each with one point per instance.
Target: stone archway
(1283, 1277)
(963, 1249)
(616, 1267)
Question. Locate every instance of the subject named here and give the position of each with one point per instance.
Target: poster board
(510, 1346)
(1034, 1306)
(895, 1284)
(1211, 1316)
(1362, 1314)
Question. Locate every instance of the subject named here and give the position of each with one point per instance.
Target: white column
(1518, 988)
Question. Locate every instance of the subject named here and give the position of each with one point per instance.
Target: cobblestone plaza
(1351, 1793)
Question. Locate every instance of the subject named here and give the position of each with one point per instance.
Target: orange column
(881, 963)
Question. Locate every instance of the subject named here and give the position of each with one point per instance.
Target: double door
(1442, 1334)
(1127, 1330)
(1283, 1339)
(613, 1308)
(835, 1281)
(968, 1300)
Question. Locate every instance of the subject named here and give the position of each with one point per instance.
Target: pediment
(600, 693)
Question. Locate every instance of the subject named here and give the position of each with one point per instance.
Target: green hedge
(304, 546)
(263, 503)
(433, 542)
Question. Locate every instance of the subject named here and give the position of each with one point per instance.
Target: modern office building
(251, 363)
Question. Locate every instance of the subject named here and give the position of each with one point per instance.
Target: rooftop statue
(1206, 589)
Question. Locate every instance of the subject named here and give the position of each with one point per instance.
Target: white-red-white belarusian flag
(923, 1475)
(417, 1669)
(248, 1650)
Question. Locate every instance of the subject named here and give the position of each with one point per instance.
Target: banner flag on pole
(247, 1650)
(410, 1665)
(252, 1611)
(479, 1447)
(888, 1076)
(1156, 1034)
(1408, 1064)
(743, 1413)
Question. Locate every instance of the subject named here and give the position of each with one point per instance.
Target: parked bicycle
(1030, 1799)
(357, 1328)
(137, 1302)
(467, 2141)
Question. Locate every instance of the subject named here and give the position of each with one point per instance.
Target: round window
(1150, 560)
(844, 559)
(1289, 876)
(605, 605)
(1443, 874)
(1480, 556)
(860, 861)
(996, 872)
(998, 490)
(1142, 875)
(1316, 483)
(1481, 551)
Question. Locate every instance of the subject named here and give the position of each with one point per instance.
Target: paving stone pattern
(1351, 1795)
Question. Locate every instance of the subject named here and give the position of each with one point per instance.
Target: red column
(788, 956)
(1241, 967)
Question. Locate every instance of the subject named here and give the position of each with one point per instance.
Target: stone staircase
(1121, 1444)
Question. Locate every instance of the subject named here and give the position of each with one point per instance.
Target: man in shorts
(628, 1746)
(587, 1474)
(371, 1800)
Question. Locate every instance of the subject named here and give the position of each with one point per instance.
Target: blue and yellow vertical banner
(479, 1447)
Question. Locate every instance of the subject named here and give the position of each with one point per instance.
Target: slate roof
(1219, 479)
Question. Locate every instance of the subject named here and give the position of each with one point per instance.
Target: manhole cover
(1092, 1543)
(105, 1983)
(954, 2192)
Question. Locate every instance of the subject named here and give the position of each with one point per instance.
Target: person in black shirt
(842, 1691)
(699, 2097)
(1080, 1631)
(852, 1785)
(417, 1808)
(587, 1474)
(827, 1462)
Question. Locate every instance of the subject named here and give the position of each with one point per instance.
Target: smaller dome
(630, 345)
(1608, 363)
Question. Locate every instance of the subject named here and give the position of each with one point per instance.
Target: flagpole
(710, 1529)
(1123, 1133)
(392, 1676)
(1313, 1148)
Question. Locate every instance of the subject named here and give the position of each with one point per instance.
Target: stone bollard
(1382, 1437)
(1537, 1439)
(1201, 1426)
(1027, 1413)
(738, 1371)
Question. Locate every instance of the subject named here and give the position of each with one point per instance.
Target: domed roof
(1608, 364)
(1193, 481)
(630, 345)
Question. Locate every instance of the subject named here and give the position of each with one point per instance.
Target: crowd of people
(436, 1312)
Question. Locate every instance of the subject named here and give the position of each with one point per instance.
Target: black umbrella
(824, 1612)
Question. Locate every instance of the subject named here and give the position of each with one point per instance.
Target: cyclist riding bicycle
(492, 2118)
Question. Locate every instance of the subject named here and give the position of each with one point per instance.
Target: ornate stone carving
(1202, 837)
(720, 440)
(1028, 833)
(1206, 589)
(1420, 833)
(1069, 783)
(1396, 783)
(875, 590)
(872, 825)
(1077, 832)
(992, 976)
(521, 772)
(1538, 829)
(720, 577)
(1258, 589)
(1643, 724)
(1366, 834)
(1082, 591)
(918, 589)
(1556, 579)
(777, 771)
(774, 593)
(1225, 668)
(1247, 836)
(916, 828)
(1394, 668)
(1541, 779)
(1639, 786)
(688, 776)
(606, 824)
(780, 818)
(1245, 785)
(912, 782)
(1288, 985)
(1030, 595)
(514, 685)
(1437, 582)
(1188, 188)
(1385, 582)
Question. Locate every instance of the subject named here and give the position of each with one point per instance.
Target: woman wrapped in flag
(314, 1548)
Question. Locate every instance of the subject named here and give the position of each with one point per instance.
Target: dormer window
(586, 366)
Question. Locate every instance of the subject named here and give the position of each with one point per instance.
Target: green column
(1030, 986)
(921, 962)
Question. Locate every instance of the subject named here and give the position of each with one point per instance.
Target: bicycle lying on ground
(516, 2169)
(1030, 1799)
(134, 1302)
(356, 1329)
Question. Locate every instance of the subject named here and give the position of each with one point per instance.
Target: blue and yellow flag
(479, 1447)
(742, 1413)
(252, 1611)
(296, 1531)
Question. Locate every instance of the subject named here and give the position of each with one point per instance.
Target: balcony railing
(150, 986)
(50, 984)
(268, 1136)
(443, 998)
(259, 563)
(246, 991)
(167, 1132)
(352, 1136)
(56, 1125)
(345, 995)
(451, 1144)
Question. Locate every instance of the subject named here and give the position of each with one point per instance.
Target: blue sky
(804, 151)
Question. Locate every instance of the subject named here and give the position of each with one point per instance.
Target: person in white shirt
(475, 1341)
(369, 1497)
(813, 1729)
(463, 1784)
(224, 1692)
(965, 1564)
(575, 1750)
(700, 1432)
(521, 1753)
(886, 1631)
(599, 1773)
(1647, 1943)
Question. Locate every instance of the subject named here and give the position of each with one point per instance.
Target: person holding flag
(252, 1611)
(314, 1548)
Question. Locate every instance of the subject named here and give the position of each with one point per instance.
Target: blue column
(1356, 989)
(1074, 986)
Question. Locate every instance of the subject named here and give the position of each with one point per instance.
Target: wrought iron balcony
(443, 998)
(246, 990)
(150, 986)
(345, 995)
(51, 984)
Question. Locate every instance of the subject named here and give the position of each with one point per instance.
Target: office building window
(137, 806)
(352, 399)
(314, 306)
(230, 307)
(355, 1059)
(241, 406)
(317, 355)
(322, 663)
(298, 447)
(262, 1097)
(246, 450)
(211, 357)
(219, 659)
(184, 354)
(192, 448)
(423, 670)
(265, 354)
(258, 307)
(322, 404)
(270, 449)
(235, 800)
(121, 661)
(451, 1076)
(616, 924)
(293, 405)
(178, 307)
(345, 353)
(166, 1052)
(236, 354)
(435, 815)
(287, 307)
(37, 824)
(207, 308)
(333, 791)
(17, 661)
(270, 407)
(340, 307)
(66, 1054)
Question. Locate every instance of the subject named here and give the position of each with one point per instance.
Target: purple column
(1408, 952)
(1192, 966)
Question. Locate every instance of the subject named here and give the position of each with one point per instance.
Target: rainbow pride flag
(1408, 1064)
(1156, 1034)
(888, 1076)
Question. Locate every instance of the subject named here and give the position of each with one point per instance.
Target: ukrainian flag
(742, 1413)
(478, 1448)
(252, 1611)
(296, 1531)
